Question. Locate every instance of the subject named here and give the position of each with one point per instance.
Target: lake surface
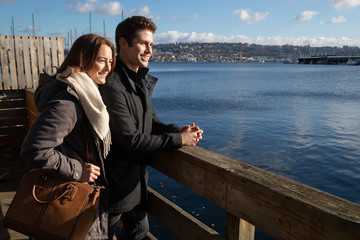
(298, 121)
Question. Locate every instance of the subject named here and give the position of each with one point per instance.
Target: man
(137, 132)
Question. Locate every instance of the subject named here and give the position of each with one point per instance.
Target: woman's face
(102, 65)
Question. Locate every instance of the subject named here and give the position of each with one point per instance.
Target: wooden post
(238, 229)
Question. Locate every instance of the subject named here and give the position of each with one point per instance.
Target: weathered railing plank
(4, 58)
(279, 206)
(54, 58)
(41, 56)
(12, 64)
(19, 65)
(34, 64)
(61, 50)
(27, 64)
(47, 55)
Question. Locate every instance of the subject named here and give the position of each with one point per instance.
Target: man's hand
(190, 135)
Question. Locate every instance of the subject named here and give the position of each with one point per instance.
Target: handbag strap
(70, 187)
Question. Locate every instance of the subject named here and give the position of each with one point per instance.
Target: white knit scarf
(92, 103)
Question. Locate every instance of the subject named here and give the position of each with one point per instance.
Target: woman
(71, 136)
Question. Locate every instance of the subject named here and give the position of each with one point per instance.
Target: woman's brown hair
(84, 51)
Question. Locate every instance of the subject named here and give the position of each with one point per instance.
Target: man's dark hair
(128, 29)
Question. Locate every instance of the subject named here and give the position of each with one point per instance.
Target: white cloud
(111, 8)
(306, 15)
(301, 41)
(84, 8)
(144, 11)
(244, 15)
(59, 33)
(339, 19)
(30, 29)
(175, 36)
(192, 17)
(340, 4)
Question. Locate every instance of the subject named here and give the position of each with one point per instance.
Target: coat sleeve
(159, 127)
(124, 127)
(50, 128)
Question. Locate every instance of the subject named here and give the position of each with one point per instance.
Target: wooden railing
(283, 208)
(23, 58)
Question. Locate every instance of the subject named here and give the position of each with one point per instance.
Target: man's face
(139, 53)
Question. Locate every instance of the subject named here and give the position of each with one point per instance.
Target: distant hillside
(232, 52)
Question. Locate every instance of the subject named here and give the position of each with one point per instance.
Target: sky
(278, 22)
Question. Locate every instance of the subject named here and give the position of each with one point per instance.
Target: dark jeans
(135, 224)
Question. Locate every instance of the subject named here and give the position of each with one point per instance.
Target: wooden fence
(24, 58)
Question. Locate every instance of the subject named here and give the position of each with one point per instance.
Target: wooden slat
(40, 54)
(279, 206)
(14, 112)
(182, 224)
(19, 64)
(54, 58)
(61, 50)
(13, 130)
(12, 139)
(12, 104)
(238, 229)
(6, 95)
(34, 63)
(13, 121)
(150, 236)
(26, 52)
(12, 64)
(4, 61)
(47, 55)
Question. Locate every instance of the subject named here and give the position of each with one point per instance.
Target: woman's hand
(90, 173)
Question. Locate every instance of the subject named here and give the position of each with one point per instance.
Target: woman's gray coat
(56, 142)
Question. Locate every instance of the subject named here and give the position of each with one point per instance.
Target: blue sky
(276, 22)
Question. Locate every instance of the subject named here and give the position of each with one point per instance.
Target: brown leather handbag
(46, 207)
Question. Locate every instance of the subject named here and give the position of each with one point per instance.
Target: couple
(97, 124)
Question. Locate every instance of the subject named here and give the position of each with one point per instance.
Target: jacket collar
(141, 77)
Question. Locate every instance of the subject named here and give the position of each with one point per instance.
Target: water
(298, 121)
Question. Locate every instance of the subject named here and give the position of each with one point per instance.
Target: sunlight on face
(138, 55)
(102, 65)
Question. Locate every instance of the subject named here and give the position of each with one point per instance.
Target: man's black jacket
(136, 132)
